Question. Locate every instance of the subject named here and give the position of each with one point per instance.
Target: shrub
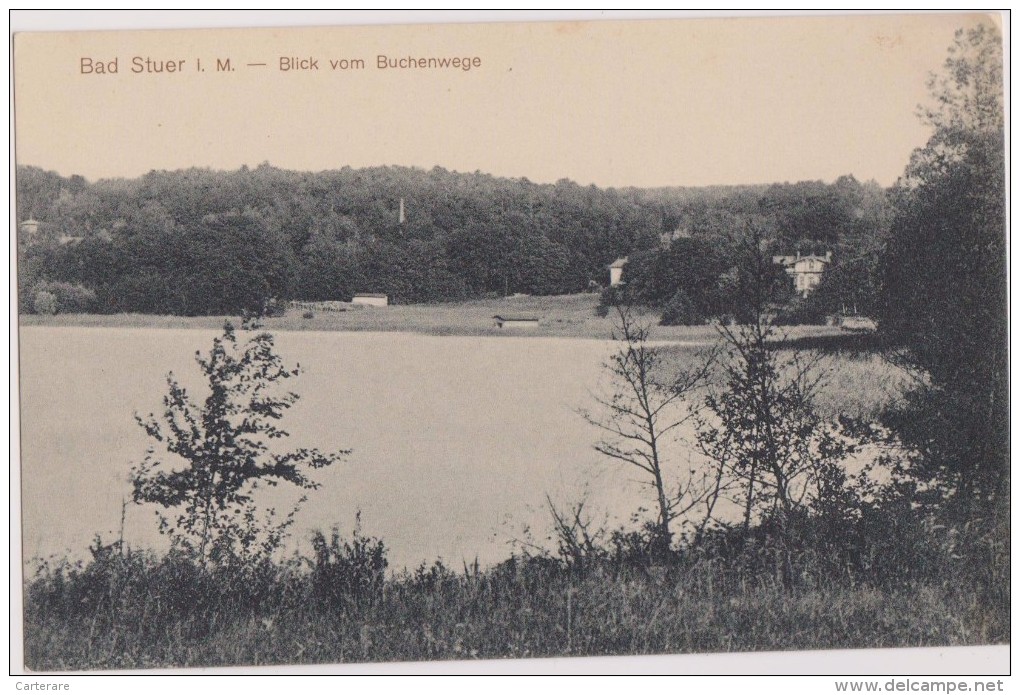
(274, 307)
(70, 298)
(45, 303)
(802, 312)
(431, 577)
(349, 571)
(680, 311)
(610, 297)
(308, 315)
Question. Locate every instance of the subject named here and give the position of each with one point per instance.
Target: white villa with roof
(806, 271)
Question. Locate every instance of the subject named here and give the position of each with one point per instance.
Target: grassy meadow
(566, 316)
(850, 382)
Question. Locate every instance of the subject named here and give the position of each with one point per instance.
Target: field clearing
(563, 316)
(857, 384)
(860, 386)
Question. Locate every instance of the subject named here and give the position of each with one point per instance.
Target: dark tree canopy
(943, 296)
(158, 243)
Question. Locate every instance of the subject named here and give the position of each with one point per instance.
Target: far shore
(565, 316)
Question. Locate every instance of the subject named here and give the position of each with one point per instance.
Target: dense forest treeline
(198, 241)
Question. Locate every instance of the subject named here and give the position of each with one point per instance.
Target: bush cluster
(61, 298)
(890, 578)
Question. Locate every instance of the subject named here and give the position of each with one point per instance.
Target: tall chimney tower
(400, 220)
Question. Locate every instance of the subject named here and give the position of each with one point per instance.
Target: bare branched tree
(579, 538)
(760, 429)
(645, 410)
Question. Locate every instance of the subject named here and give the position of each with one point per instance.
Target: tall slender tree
(641, 416)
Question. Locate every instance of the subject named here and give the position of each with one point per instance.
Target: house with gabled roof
(806, 271)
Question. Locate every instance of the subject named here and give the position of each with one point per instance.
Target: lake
(456, 440)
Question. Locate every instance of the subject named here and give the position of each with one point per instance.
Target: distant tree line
(206, 242)
(211, 242)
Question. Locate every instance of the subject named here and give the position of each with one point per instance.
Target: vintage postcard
(513, 340)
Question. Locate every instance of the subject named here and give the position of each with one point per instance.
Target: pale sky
(636, 103)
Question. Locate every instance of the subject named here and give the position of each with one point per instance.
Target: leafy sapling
(216, 454)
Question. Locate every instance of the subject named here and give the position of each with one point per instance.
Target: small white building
(366, 299)
(616, 271)
(516, 321)
(806, 271)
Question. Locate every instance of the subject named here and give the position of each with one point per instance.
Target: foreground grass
(490, 619)
(565, 316)
(517, 615)
(888, 580)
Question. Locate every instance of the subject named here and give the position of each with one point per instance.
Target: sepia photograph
(504, 341)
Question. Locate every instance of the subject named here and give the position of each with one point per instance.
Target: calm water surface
(456, 440)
